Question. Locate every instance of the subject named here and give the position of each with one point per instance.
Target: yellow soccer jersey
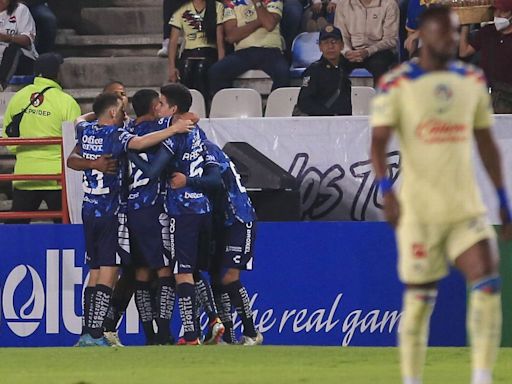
(434, 114)
(243, 11)
(191, 23)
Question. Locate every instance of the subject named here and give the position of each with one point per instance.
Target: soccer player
(234, 223)
(436, 106)
(188, 208)
(104, 227)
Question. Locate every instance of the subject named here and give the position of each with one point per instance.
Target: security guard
(43, 118)
(325, 87)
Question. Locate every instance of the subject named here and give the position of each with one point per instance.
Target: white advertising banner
(328, 155)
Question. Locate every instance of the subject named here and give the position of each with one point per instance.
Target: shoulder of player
(468, 71)
(393, 78)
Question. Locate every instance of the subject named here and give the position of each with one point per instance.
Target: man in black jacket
(326, 88)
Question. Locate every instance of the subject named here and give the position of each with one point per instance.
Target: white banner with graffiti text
(329, 156)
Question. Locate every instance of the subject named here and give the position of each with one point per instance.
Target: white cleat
(164, 51)
(251, 341)
(113, 339)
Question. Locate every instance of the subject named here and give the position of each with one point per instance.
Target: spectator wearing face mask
(495, 45)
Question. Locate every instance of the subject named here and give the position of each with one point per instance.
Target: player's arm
(154, 169)
(209, 182)
(104, 163)
(269, 19)
(91, 116)
(142, 142)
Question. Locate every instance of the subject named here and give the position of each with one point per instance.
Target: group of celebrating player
(162, 204)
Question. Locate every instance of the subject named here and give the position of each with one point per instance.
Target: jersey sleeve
(220, 12)
(384, 110)
(25, 23)
(483, 113)
(79, 132)
(275, 6)
(176, 20)
(123, 138)
(229, 11)
(171, 145)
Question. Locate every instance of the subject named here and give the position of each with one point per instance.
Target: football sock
(87, 317)
(205, 297)
(165, 298)
(240, 300)
(484, 327)
(100, 304)
(418, 305)
(224, 309)
(187, 303)
(144, 306)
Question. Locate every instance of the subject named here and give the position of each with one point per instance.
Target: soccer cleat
(89, 341)
(164, 51)
(113, 339)
(251, 341)
(182, 341)
(215, 332)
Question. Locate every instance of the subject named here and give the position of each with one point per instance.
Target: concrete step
(121, 21)
(95, 72)
(136, 3)
(109, 45)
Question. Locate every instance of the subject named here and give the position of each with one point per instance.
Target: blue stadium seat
(360, 72)
(21, 80)
(304, 52)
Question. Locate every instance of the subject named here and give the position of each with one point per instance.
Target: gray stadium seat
(198, 105)
(361, 100)
(281, 101)
(236, 102)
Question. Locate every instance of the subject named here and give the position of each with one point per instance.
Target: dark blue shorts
(185, 232)
(106, 240)
(234, 247)
(149, 237)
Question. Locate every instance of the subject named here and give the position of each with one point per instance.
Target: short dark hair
(113, 82)
(178, 95)
(142, 100)
(103, 102)
(434, 12)
(13, 4)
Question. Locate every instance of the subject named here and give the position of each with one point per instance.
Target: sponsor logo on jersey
(438, 131)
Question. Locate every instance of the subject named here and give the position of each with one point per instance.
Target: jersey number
(138, 180)
(238, 178)
(196, 168)
(99, 189)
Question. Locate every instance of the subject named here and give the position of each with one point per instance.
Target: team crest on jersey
(194, 20)
(248, 13)
(37, 99)
(443, 92)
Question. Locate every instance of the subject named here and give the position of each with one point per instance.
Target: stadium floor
(228, 364)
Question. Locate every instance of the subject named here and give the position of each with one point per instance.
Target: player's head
(48, 65)
(439, 33)
(119, 89)
(502, 14)
(147, 102)
(109, 109)
(176, 99)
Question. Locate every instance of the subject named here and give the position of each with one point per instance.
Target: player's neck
(105, 121)
(430, 63)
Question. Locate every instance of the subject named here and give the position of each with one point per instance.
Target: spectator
(17, 35)
(254, 30)
(414, 9)
(201, 23)
(326, 88)
(168, 8)
(495, 45)
(43, 118)
(319, 15)
(46, 25)
(291, 20)
(370, 33)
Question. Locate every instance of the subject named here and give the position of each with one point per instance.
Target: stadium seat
(360, 72)
(304, 52)
(236, 102)
(198, 105)
(281, 101)
(21, 80)
(254, 74)
(361, 98)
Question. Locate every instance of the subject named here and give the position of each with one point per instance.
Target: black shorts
(149, 237)
(185, 231)
(234, 247)
(106, 240)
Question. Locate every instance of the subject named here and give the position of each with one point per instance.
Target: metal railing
(64, 212)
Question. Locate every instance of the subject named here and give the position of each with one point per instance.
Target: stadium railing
(64, 212)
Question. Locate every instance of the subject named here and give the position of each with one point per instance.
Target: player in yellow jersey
(436, 106)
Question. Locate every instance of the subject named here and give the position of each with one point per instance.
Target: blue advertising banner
(313, 284)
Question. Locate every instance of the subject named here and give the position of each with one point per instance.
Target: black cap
(330, 32)
(48, 65)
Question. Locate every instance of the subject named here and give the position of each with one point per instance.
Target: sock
(240, 300)
(205, 297)
(224, 309)
(145, 308)
(100, 304)
(484, 327)
(418, 305)
(87, 317)
(165, 298)
(186, 300)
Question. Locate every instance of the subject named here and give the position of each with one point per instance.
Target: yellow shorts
(426, 250)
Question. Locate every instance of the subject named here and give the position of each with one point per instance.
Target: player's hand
(183, 126)
(178, 180)
(506, 227)
(391, 209)
(105, 164)
(190, 116)
(316, 8)
(331, 7)
(174, 75)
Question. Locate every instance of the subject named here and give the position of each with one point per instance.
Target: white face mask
(501, 23)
